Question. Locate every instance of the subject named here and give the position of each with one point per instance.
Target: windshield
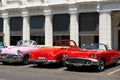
(26, 43)
(94, 46)
(65, 43)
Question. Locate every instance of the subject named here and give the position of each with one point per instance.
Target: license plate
(3, 57)
(41, 58)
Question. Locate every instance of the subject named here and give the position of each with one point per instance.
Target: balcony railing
(86, 0)
(0, 3)
(62, 1)
(35, 1)
(13, 2)
(57, 1)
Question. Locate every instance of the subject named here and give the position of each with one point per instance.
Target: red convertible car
(53, 54)
(97, 55)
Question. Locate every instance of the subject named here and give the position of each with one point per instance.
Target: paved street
(32, 72)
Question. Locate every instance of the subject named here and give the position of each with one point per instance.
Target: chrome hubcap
(101, 65)
(117, 61)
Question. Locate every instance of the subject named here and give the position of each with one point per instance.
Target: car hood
(82, 53)
(14, 49)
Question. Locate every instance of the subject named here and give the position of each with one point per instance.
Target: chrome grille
(80, 61)
(7, 55)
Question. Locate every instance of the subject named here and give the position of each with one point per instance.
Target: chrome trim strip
(10, 58)
(45, 61)
(93, 62)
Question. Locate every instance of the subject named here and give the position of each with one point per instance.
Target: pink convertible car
(18, 53)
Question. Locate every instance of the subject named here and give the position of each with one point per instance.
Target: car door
(111, 55)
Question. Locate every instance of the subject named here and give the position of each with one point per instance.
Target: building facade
(49, 20)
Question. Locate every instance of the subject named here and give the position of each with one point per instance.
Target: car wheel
(70, 67)
(101, 65)
(5, 63)
(40, 64)
(117, 62)
(26, 60)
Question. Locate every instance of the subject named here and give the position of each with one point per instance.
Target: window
(88, 21)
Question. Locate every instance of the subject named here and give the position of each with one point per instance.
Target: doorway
(1, 38)
(119, 39)
(39, 39)
(15, 39)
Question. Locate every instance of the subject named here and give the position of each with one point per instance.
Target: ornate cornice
(4, 14)
(73, 9)
(47, 11)
(24, 12)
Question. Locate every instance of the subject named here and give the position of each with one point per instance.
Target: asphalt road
(32, 72)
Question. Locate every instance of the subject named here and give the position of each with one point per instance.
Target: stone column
(6, 29)
(74, 28)
(26, 26)
(48, 27)
(105, 33)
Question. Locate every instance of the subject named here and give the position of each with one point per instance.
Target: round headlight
(93, 55)
(65, 55)
(19, 52)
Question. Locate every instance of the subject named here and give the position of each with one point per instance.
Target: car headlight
(65, 55)
(93, 55)
(19, 52)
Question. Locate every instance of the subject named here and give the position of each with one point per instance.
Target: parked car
(53, 54)
(18, 53)
(96, 55)
(2, 45)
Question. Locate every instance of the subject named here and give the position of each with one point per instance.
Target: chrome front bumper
(80, 61)
(45, 61)
(10, 58)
